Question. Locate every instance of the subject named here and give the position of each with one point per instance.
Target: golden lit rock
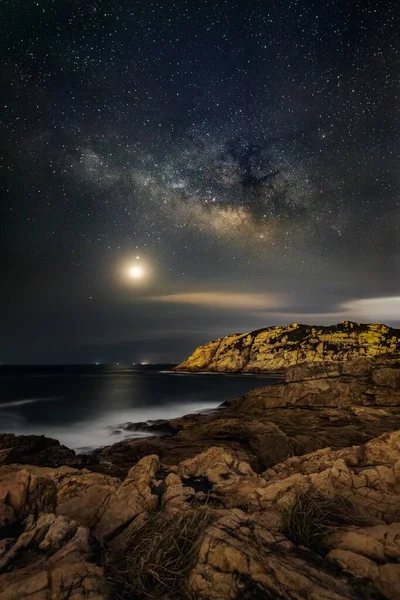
(278, 347)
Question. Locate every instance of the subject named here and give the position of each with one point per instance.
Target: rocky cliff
(275, 348)
(291, 492)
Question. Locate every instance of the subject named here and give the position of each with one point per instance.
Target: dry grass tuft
(314, 514)
(158, 555)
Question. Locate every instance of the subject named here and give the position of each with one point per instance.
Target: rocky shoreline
(276, 348)
(293, 491)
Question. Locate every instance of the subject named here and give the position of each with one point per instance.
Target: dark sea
(84, 406)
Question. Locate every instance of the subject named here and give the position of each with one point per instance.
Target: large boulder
(51, 558)
(103, 504)
(134, 497)
(84, 496)
(42, 555)
(34, 450)
(22, 493)
(240, 558)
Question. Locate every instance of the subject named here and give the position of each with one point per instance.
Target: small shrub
(158, 555)
(313, 514)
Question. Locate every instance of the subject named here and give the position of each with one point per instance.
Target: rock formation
(43, 555)
(330, 434)
(275, 348)
(325, 404)
(35, 449)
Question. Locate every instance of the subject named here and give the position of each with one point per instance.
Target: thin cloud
(366, 310)
(224, 300)
(375, 309)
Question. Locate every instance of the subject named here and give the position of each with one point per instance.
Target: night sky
(176, 171)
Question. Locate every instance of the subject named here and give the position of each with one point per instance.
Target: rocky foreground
(276, 348)
(291, 492)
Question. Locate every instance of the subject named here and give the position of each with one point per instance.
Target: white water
(106, 428)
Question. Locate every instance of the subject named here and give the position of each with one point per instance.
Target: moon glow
(136, 272)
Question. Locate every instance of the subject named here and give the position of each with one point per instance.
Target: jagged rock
(272, 423)
(368, 474)
(232, 483)
(242, 553)
(42, 555)
(261, 443)
(215, 464)
(177, 496)
(275, 348)
(159, 427)
(132, 498)
(51, 559)
(22, 493)
(379, 543)
(97, 501)
(381, 370)
(35, 450)
(238, 555)
(355, 563)
(334, 429)
(340, 392)
(84, 496)
(103, 503)
(75, 581)
(243, 546)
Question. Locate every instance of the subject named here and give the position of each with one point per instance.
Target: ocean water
(84, 406)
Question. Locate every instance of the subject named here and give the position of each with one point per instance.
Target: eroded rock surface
(43, 556)
(330, 430)
(243, 552)
(35, 450)
(356, 402)
(275, 348)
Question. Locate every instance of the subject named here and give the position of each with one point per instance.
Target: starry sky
(243, 157)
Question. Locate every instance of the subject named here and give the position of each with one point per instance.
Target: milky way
(233, 190)
(244, 149)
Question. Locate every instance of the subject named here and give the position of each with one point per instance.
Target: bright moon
(136, 272)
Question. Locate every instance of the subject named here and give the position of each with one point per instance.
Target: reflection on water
(82, 406)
